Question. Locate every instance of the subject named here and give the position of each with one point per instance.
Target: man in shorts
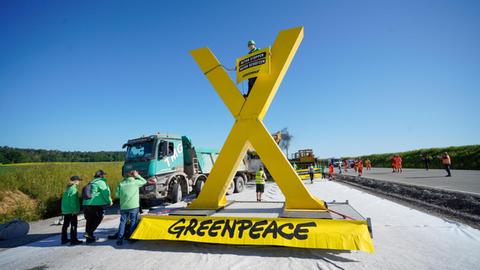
(260, 183)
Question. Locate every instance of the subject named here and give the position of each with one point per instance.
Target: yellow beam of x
(249, 130)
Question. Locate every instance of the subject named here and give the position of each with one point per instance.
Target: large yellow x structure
(249, 129)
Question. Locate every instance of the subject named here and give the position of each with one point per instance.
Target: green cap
(251, 42)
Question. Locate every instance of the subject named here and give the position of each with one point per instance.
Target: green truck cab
(173, 167)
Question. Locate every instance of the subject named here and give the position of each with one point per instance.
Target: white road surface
(404, 238)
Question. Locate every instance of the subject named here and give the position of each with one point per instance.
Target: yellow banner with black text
(253, 65)
(290, 232)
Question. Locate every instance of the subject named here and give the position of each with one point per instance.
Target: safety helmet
(251, 42)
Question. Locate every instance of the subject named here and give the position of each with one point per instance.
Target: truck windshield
(140, 151)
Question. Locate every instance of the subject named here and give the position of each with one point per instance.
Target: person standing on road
(368, 164)
(260, 183)
(311, 172)
(345, 165)
(252, 48)
(399, 164)
(330, 171)
(340, 167)
(447, 162)
(393, 160)
(426, 160)
(70, 210)
(94, 207)
(360, 167)
(322, 170)
(129, 196)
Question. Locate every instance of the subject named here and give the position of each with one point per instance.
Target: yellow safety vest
(259, 177)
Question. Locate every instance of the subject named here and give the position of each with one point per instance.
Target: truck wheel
(239, 184)
(231, 188)
(198, 186)
(176, 193)
(144, 203)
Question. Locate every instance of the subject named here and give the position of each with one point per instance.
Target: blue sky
(369, 77)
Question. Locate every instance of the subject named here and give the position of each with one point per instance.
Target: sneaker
(90, 240)
(76, 242)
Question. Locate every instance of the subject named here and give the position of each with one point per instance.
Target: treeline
(463, 157)
(10, 155)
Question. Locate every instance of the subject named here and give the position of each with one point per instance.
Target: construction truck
(304, 158)
(174, 167)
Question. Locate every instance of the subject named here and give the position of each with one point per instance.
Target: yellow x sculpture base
(301, 230)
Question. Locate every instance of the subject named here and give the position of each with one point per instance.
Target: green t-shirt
(128, 192)
(70, 200)
(100, 193)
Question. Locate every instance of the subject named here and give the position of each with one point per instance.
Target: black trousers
(251, 82)
(447, 168)
(94, 216)
(72, 221)
(311, 176)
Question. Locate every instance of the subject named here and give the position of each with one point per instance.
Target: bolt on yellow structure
(319, 228)
(249, 130)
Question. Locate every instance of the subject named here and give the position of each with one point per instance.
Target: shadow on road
(330, 256)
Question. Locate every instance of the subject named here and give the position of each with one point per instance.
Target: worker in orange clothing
(360, 168)
(345, 165)
(330, 171)
(355, 165)
(399, 164)
(394, 163)
(368, 164)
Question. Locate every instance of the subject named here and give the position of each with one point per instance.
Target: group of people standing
(96, 197)
(396, 164)
(358, 165)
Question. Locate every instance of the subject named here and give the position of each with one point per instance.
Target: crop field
(32, 191)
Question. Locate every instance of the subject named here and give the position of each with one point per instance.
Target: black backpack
(87, 191)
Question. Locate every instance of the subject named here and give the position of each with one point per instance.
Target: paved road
(466, 181)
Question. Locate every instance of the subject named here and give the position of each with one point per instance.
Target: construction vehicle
(174, 167)
(303, 158)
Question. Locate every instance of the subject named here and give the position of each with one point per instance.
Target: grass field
(32, 191)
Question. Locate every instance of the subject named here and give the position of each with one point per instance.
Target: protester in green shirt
(70, 210)
(252, 47)
(128, 194)
(322, 170)
(94, 206)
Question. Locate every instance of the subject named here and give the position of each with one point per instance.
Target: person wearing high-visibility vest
(330, 171)
(360, 167)
(260, 183)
